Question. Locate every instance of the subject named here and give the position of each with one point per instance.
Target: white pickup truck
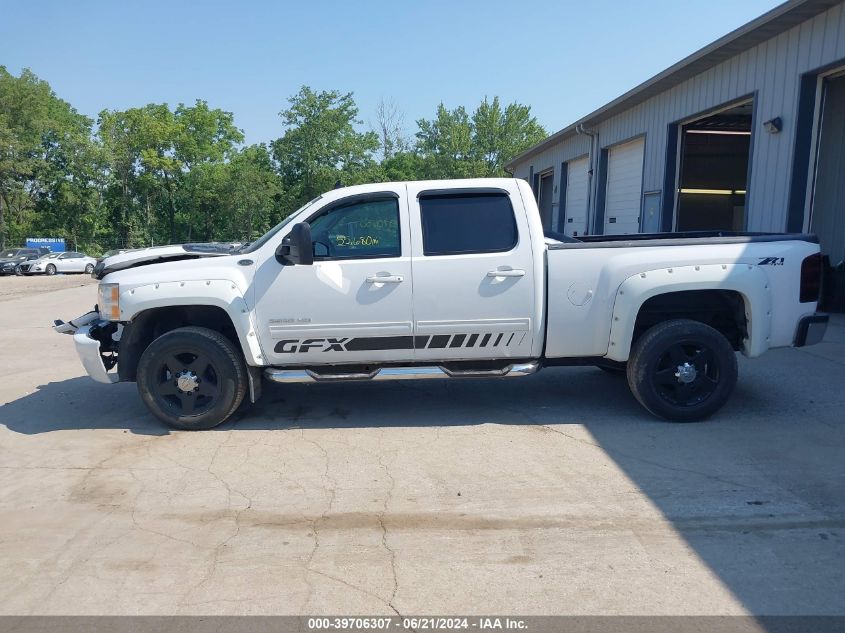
(443, 279)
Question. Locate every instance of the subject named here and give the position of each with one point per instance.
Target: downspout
(591, 193)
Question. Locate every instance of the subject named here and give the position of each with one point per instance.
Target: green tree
(321, 145)
(457, 145)
(499, 135)
(254, 191)
(121, 138)
(151, 152)
(445, 143)
(43, 140)
(403, 166)
(204, 139)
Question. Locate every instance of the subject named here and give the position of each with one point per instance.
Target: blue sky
(563, 59)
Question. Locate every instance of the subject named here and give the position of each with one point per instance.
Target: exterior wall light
(773, 126)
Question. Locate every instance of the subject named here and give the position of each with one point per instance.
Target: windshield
(15, 253)
(50, 256)
(261, 241)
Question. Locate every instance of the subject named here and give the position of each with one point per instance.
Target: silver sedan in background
(67, 262)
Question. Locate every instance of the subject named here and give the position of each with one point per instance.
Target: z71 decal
(376, 343)
(771, 261)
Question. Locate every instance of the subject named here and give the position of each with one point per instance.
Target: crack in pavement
(315, 523)
(387, 498)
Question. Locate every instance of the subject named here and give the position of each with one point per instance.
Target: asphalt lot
(552, 494)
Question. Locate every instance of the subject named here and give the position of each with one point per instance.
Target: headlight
(108, 299)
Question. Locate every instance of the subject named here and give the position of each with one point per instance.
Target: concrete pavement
(553, 494)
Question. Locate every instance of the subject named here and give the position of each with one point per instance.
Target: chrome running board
(400, 373)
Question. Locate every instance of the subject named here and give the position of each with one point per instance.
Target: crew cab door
(353, 305)
(474, 277)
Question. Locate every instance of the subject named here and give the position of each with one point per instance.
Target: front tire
(18, 272)
(192, 378)
(682, 370)
(51, 269)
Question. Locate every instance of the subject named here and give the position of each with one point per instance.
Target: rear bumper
(810, 330)
(88, 350)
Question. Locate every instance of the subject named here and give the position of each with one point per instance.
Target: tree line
(155, 174)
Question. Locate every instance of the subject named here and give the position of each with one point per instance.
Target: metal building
(746, 134)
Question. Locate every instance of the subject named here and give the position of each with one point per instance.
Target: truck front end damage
(96, 341)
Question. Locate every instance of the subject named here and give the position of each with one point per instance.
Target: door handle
(387, 279)
(512, 272)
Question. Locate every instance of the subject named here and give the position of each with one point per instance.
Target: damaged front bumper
(96, 344)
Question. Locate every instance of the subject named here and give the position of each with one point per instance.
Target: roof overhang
(767, 26)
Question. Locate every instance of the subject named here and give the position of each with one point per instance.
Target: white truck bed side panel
(584, 282)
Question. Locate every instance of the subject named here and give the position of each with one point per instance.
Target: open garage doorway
(827, 219)
(713, 173)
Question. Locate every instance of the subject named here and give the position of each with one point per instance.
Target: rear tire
(682, 370)
(89, 269)
(192, 378)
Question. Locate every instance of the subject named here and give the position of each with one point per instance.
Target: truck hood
(159, 254)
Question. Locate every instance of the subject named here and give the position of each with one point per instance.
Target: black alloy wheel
(682, 370)
(687, 373)
(187, 383)
(192, 378)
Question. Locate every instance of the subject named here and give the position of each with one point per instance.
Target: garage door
(576, 197)
(624, 188)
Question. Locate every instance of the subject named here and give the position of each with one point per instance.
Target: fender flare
(749, 281)
(220, 293)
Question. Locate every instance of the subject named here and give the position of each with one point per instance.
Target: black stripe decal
(380, 343)
(439, 341)
(377, 343)
(457, 340)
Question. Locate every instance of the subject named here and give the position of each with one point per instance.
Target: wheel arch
(149, 313)
(703, 284)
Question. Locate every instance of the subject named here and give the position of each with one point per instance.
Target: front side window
(363, 229)
(455, 224)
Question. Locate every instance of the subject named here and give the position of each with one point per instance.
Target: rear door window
(455, 224)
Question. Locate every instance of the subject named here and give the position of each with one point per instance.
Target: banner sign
(55, 244)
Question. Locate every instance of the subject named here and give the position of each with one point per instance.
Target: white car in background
(67, 262)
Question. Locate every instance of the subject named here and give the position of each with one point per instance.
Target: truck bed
(585, 283)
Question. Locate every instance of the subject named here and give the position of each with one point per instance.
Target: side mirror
(296, 248)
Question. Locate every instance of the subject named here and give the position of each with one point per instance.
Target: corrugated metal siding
(770, 71)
